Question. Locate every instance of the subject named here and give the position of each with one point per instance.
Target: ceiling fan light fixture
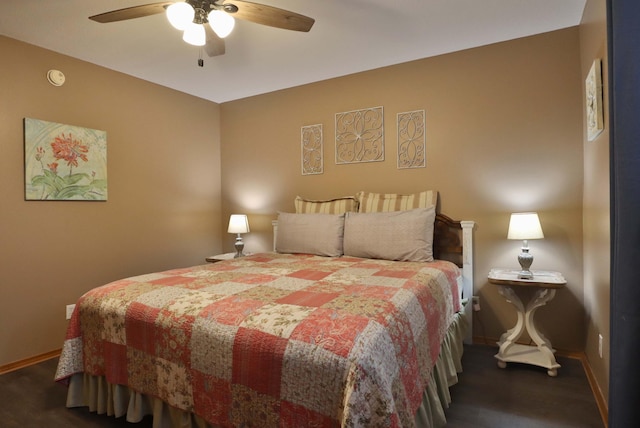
(221, 23)
(180, 15)
(194, 35)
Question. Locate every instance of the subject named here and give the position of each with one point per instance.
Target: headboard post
(467, 274)
(274, 223)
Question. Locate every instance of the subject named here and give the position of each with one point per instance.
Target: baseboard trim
(29, 361)
(597, 392)
(593, 384)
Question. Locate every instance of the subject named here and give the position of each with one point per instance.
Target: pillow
(396, 235)
(319, 234)
(329, 206)
(385, 202)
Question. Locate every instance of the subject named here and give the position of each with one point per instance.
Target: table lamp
(525, 226)
(239, 224)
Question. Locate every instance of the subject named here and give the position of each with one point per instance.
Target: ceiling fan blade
(215, 45)
(132, 12)
(271, 16)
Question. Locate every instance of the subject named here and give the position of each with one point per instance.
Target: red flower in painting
(39, 153)
(69, 150)
(53, 167)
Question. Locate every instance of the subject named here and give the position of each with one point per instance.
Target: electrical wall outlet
(476, 303)
(70, 309)
(600, 345)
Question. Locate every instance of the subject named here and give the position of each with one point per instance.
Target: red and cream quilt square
(277, 319)
(174, 384)
(410, 306)
(350, 275)
(192, 302)
(140, 327)
(143, 375)
(308, 298)
(332, 330)
(113, 321)
(212, 348)
(396, 273)
(310, 274)
(231, 310)
(257, 361)
(365, 306)
(211, 398)
(116, 373)
(252, 409)
(173, 281)
(295, 416)
(309, 372)
(291, 283)
(160, 297)
(173, 336)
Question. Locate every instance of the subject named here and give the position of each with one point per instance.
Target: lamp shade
(238, 223)
(221, 23)
(194, 35)
(180, 15)
(525, 226)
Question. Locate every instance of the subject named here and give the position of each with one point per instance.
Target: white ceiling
(348, 36)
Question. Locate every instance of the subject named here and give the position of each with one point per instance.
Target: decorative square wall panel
(593, 94)
(411, 139)
(360, 136)
(311, 147)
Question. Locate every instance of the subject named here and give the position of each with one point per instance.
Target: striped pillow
(386, 202)
(329, 206)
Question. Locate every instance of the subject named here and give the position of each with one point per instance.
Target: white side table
(220, 257)
(546, 284)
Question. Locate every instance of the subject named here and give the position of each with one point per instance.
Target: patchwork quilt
(272, 339)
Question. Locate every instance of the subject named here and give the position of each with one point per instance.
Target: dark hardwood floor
(520, 395)
(486, 396)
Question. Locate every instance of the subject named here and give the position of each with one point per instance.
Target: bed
(328, 330)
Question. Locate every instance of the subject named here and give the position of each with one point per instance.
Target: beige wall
(163, 208)
(593, 44)
(504, 134)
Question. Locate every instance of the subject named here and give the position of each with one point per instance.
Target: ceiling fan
(191, 16)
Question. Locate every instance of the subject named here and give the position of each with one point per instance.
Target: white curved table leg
(513, 334)
(509, 350)
(542, 296)
(545, 284)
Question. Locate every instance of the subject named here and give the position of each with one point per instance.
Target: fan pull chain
(200, 60)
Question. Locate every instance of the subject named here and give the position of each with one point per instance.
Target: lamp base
(525, 274)
(239, 245)
(525, 259)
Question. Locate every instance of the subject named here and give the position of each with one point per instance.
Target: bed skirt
(118, 400)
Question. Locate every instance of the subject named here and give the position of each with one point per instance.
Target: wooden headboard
(447, 240)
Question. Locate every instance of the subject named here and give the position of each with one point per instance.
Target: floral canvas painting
(64, 162)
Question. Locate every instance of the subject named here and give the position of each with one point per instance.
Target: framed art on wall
(311, 146)
(593, 94)
(411, 139)
(64, 162)
(360, 136)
